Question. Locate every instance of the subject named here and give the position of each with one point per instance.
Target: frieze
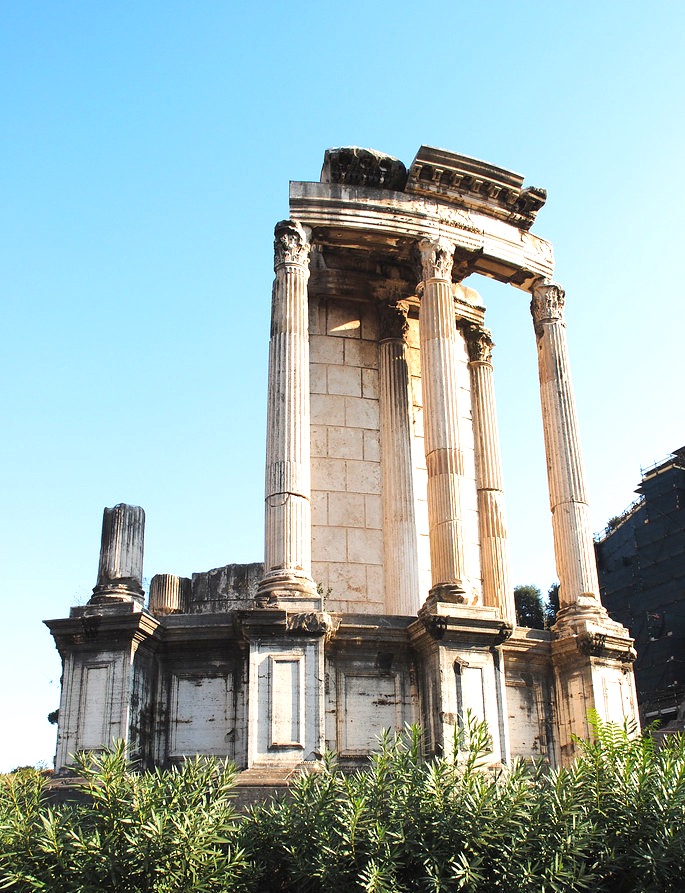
(290, 244)
(459, 218)
(476, 185)
(539, 247)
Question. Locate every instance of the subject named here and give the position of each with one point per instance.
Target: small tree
(552, 605)
(530, 609)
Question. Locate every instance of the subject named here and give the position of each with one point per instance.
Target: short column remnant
(494, 545)
(287, 561)
(120, 574)
(169, 594)
(401, 558)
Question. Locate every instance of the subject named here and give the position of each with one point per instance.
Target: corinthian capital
(547, 303)
(437, 257)
(392, 319)
(290, 244)
(479, 343)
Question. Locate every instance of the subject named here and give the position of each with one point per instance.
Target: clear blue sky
(145, 155)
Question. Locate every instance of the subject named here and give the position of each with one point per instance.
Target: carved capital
(547, 303)
(479, 343)
(437, 258)
(290, 244)
(392, 320)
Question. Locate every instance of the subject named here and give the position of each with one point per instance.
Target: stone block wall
(95, 703)
(371, 684)
(347, 509)
(531, 706)
(347, 537)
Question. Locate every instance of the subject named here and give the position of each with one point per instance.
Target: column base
(585, 616)
(462, 674)
(592, 657)
(452, 593)
(473, 624)
(110, 593)
(284, 589)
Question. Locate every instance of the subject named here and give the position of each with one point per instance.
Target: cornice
(476, 185)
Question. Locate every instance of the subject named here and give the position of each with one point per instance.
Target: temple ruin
(385, 596)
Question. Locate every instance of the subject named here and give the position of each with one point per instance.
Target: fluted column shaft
(573, 542)
(287, 554)
(401, 556)
(494, 546)
(444, 457)
(169, 594)
(120, 572)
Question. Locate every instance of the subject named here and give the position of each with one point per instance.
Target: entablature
(392, 223)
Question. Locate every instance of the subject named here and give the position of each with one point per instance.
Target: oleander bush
(612, 822)
(170, 832)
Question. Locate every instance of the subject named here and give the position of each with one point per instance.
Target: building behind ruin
(641, 564)
(385, 595)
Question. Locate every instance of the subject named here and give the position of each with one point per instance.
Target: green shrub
(612, 822)
(158, 831)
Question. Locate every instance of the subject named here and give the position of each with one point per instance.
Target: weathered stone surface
(573, 542)
(591, 653)
(353, 166)
(120, 573)
(169, 594)
(475, 184)
(225, 588)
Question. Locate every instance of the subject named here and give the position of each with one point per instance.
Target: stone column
(401, 554)
(120, 573)
(494, 547)
(591, 654)
(573, 542)
(444, 457)
(169, 594)
(287, 557)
